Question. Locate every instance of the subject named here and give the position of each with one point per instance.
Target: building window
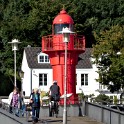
(42, 79)
(43, 59)
(46, 59)
(84, 79)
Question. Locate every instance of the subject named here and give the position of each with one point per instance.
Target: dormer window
(46, 58)
(43, 58)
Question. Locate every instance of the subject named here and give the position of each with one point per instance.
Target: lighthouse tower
(54, 46)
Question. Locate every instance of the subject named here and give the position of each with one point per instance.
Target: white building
(38, 73)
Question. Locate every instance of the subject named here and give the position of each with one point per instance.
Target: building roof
(84, 60)
(32, 53)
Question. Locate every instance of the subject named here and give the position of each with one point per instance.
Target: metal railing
(78, 43)
(22, 113)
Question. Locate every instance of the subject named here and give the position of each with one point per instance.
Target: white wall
(31, 83)
(35, 78)
(92, 84)
(27, 76)
(31, 77)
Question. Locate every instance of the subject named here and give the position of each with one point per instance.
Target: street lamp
(66, 38)
(14, 43)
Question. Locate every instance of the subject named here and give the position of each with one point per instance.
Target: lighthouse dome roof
(63, 18)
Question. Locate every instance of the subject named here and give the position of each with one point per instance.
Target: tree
(109, 57)
(5, 88)
(29, 20)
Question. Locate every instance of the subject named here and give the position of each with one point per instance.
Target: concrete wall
(104, 114)
(100, 113)
(72, 110)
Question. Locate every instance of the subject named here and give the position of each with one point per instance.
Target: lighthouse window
(42, 79)
(84, 79)
(59, 27)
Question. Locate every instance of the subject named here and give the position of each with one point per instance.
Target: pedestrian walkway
(70, 120)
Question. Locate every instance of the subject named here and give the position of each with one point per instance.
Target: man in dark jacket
(54, 92)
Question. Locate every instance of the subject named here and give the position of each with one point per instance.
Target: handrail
(14, 111)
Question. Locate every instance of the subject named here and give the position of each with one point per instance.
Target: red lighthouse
(54, 46)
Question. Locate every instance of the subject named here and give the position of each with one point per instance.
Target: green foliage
(109, 62)
(81, 96)
(102, 98)
(29, 20)
(43, 93)
(115, 100)
(5, 88)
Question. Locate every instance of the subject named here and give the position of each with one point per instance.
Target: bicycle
(53, 109)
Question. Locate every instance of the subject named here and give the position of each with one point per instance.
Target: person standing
(35, 101)
(14, 96)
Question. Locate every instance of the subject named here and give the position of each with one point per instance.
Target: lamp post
(14, 43)
(66, 34)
